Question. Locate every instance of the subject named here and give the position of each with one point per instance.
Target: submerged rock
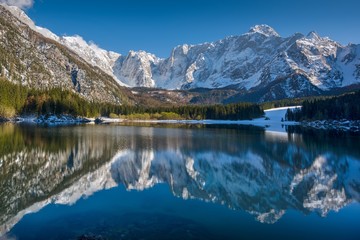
(99, 120)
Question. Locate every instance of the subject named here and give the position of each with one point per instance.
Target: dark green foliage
(16, 99)
(227, 112)
(283, 103)
(335, 108)
(12, 98)
(57, 101)
(292, 101)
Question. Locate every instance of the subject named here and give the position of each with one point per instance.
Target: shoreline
(273, 120)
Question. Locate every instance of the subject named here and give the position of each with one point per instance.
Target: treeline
(237, 111)
(336, 108)
(19, 100)
(284, 103)
(292, 101)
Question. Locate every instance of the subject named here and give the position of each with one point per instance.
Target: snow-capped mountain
(258, 63)
(260, 58)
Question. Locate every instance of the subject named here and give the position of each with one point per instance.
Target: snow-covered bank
(274, 119)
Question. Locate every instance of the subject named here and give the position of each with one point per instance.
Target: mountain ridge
(258, 63)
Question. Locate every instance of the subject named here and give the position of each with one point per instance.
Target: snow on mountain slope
(315, 57)
(21, 15)
(90, 52)
(349, 61)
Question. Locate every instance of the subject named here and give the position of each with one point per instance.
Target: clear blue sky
(157, 26)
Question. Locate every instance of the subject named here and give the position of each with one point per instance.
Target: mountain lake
(177, 181)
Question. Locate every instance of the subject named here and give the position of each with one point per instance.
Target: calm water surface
(177, 182)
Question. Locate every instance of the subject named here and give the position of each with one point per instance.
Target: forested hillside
(335, 108)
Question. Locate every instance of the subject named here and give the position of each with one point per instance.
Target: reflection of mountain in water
(263, 174)
(251, 181)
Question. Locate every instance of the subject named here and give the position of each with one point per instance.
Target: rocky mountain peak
(20, 14)
(181, 50)
(265, 30)
(313, 35)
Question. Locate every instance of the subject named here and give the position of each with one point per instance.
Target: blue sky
(157, 26)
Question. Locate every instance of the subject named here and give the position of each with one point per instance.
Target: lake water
(177, 182)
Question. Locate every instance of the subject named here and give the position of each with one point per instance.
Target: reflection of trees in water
(11, 139)
(37, 163)
(337, 141)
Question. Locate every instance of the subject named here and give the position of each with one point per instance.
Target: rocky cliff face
(30, 56)
(135, 69)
